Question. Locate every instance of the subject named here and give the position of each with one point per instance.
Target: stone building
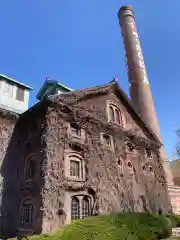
(74, 154)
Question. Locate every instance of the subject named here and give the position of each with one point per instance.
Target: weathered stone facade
(119, 164)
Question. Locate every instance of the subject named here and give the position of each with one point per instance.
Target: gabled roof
(51, 83)
(83, 93)
(2, 76)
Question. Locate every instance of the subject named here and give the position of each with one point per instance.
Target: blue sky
(79, 43)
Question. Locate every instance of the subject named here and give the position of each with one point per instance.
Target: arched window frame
(31, 157)
(25, 211)
(74, 156)
(148, 169)
(149, 153)
(80, 196)
(75, 210)
(112, 109)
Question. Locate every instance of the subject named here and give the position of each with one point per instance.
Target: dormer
(14, 96)
(52, 87)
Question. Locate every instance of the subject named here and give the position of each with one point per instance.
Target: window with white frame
(8, 89)
(26, 213)
(80, 207)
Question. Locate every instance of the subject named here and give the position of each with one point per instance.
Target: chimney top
(126, 10)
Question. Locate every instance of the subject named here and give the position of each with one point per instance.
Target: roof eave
(116, 85)
(13, 80)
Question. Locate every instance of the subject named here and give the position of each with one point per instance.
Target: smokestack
(140, 91)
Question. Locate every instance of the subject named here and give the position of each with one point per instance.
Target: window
(80, 207)
(130, 147)
(8, 89)
(74, 168)
(75, 131)
(149, 153)
(129, 166)
(20, 94)
(114, 114)
(29, 168)
(75, 209)
(107, 140)
(144, 168)
(111, 114)
(85, 207)
(150, 169)
(119, 162)
(26, 213)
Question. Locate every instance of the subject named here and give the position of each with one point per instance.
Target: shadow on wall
(22, 182)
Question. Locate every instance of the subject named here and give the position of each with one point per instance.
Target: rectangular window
(107, 140)
(75, 168)
(8, 89)
(26, 215)
(75, 131)
(20, 94)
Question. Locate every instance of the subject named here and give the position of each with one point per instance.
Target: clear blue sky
(79, 43)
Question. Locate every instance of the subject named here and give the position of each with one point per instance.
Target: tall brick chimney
(140, 91)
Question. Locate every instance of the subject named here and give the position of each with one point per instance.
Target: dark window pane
(30, 169)
(75, 209)
(111, 113)
(75, 168)
(85, 207)
(106, 140)
(20, 94)
(26, 213)
(117, 116)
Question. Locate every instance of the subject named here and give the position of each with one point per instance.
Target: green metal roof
(53, 84)
(14, 81)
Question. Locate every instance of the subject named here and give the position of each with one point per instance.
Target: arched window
(85, 207)
(119, 162)
(75, 214)
(30, 168)
(114, 114)
(130, 167)
(149, 153)
(80, 207)
(111, 114)
(26, 213)
(117, 116)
